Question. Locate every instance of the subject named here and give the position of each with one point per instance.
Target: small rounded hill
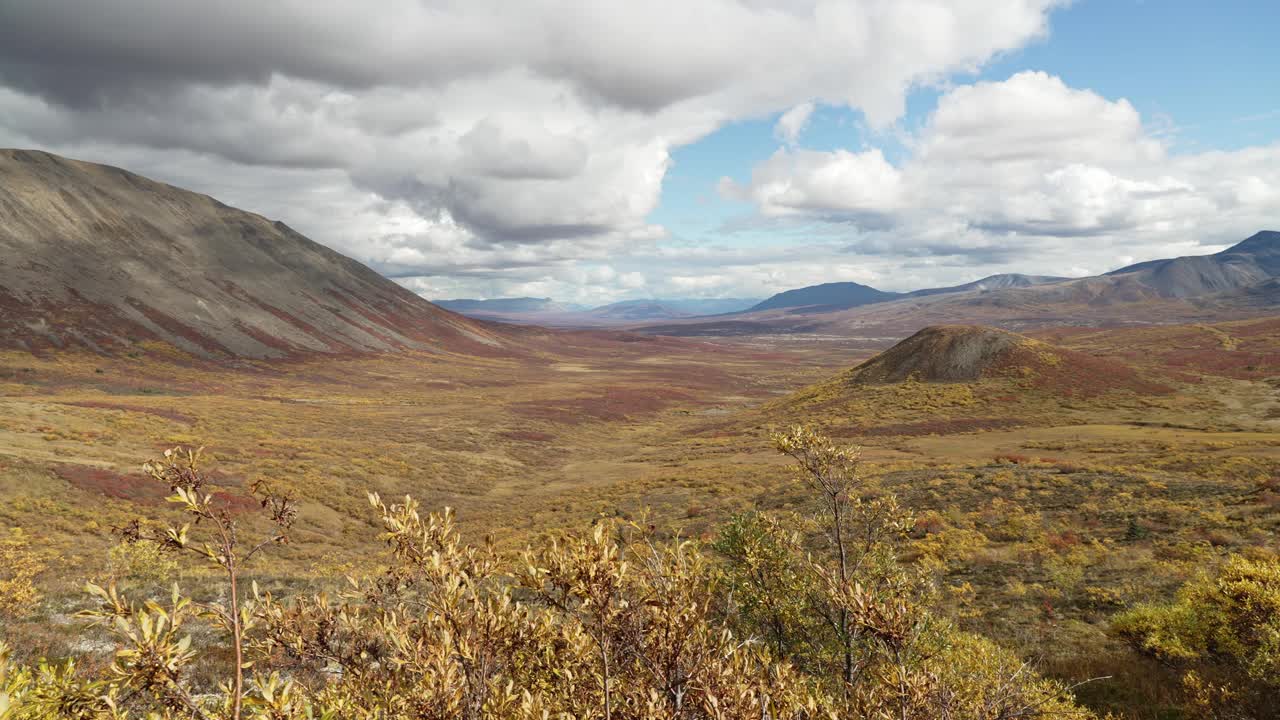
(971, 353)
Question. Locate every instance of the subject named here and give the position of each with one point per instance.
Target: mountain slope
(637, 310)
(708, 306)
(992, 282)
(1252, 261)
(838, 295)
(98, 257)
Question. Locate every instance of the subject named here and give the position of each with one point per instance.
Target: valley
(1046, 499)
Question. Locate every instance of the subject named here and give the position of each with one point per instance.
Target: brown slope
(97, 257)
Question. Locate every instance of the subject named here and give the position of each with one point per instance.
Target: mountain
(670, 308)
(709, 306)
(637, 310)
(1264, 296)
(991, 282)
(1200, 281)
(1237, 283)
(101, 258)
(827, 296)
(1250, 262)
(844, 295)
(498, 306)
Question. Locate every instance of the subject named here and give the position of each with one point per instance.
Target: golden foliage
(614, 623)
(1225, 629)
(19, 566)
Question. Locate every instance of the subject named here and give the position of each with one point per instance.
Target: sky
(604, 150)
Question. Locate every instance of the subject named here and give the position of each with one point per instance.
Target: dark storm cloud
(79, 52)
(73, 52)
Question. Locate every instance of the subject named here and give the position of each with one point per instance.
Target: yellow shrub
(19, 566)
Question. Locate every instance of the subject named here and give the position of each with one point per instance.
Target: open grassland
(1048, 501)
(513, 443)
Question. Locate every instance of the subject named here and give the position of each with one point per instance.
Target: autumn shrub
(1223, 630)
(797, 617)
(853, 616)
(141, 562)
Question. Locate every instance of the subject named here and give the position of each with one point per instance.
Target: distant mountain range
(1241, 281)
(95, 257)
(673, 307)
(826, 297)
(468, 306)
(844, 295)
(545, 311)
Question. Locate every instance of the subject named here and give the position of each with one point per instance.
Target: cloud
(793, 122)
(838, 183)
(521, 148)
(1001, 169)
(450, 136)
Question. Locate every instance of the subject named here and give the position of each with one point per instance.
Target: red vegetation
(1075, 374)
(179, 329)
(133, 487)
(1059, 541)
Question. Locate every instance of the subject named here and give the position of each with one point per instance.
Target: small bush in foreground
(1224, 632)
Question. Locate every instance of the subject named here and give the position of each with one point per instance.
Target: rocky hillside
(100, 258)
(944, 353)
(1250, 262)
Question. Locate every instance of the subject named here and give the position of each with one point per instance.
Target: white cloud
(800, 181)
(793, 122)
(1001, 168)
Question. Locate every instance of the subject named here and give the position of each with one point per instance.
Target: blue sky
(609, 150)
(1204, 74)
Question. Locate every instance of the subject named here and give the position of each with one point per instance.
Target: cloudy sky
(609, 149)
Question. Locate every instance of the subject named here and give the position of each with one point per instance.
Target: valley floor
(1047, 509)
